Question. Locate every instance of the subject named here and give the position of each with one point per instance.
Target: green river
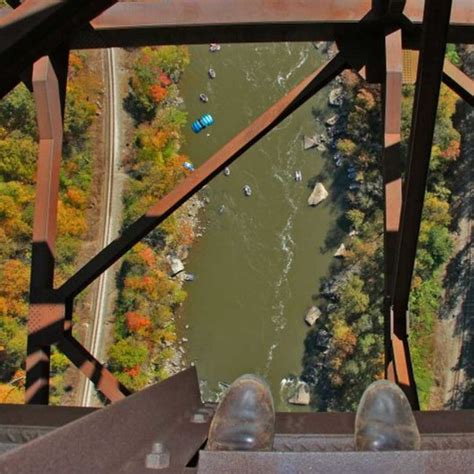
(260, 259)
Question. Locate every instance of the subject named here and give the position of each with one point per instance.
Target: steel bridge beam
(44, 322)
(430, 67)
(459, 82)
(37, 27)
(392, 169)
(194, 182)
(205, 21)
(99, 375)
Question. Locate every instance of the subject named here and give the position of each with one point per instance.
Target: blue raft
(200, 124)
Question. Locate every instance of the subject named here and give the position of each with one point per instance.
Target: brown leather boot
(384, 420)
(245, 417)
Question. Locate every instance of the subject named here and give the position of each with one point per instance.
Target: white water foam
(282, 171)
(283, 78)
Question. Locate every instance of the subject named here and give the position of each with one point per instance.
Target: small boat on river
(247, 190)
(203, 98)
(214, 47)
(226, 171)
(211, 73)
(189, 166)
(206, 120)
(298, 176)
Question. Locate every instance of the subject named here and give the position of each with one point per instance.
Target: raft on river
(206, 120)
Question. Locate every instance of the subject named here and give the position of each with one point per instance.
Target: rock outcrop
(177, 266)
(318, 195)
(310, 142)
(335, 97)
(312, 315)
(341, 251)
(331, 121)
(302, 395)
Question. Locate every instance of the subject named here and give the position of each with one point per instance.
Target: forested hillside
(344, 352)
(18, 154)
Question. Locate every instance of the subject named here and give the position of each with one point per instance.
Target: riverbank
(150, 280)
(344, 351)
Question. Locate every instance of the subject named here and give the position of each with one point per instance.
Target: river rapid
(260, 259)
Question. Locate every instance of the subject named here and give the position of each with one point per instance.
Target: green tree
(17, 111)
(353, 300)
(127, 354)
(346, 146)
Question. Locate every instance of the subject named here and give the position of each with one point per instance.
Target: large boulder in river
(312, 315)
(318, 195)
(335, 97)
(341, 251)
(177, 266)
(302, 395)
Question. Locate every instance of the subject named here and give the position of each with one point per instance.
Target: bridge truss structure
(371, 36)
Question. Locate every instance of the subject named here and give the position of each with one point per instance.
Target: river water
(260, 259)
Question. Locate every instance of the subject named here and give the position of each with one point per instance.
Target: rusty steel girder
(205, 21)
(463, 85)
(392, 168)
(37, 27)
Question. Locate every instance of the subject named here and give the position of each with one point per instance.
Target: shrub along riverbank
(145, 348)
(344, 350)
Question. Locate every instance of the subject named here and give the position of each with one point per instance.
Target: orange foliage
(144, 283)
(165, 81)
(453, 150)
(75, 62)
(11, 394)
(172, 173)
(148, 256)
(134, 371)
(137, 322)
(71, 221)
(14, 283)
(344, 339)
(20, 378)
(186, 234)
(76, 197)
(157, 93)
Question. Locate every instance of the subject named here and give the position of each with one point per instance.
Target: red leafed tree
(157, 93)
(137, 322)
(165, 81)
(134, 371)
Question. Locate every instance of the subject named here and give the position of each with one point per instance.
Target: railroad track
(96, 328)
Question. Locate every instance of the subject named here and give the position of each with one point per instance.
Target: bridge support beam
(45, 320)
(430, 67)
